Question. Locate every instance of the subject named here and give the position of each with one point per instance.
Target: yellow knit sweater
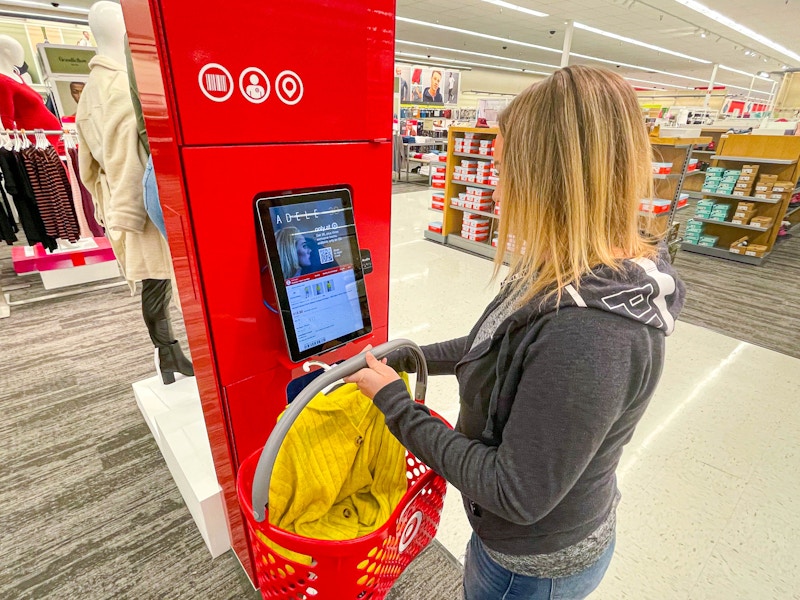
(340, 472)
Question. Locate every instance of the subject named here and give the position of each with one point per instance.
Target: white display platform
(58, 278)
(175, 418)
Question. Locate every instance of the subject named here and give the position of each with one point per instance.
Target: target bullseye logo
(410, 531)
(289, 87)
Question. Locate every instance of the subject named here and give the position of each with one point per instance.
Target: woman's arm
(578, 378)
(442, 358)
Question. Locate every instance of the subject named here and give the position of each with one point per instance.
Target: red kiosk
(240, 103)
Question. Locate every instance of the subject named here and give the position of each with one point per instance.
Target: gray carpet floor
(88, 509)
(759, 305)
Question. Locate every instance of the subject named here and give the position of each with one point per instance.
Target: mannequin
(20, 105)
(112, 165)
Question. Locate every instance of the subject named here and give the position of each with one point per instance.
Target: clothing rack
(5, 300)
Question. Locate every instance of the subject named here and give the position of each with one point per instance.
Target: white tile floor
(711, 492)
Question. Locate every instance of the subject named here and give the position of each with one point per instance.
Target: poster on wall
(428, 85)
(67, 95)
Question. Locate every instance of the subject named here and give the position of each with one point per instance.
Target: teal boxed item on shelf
(736, 172)
(715, 170)
(710, 179)
(708, 240)
(725, 189)
(709, 189)
(729, 180)
(706, 202)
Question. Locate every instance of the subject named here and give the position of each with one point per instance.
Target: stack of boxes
(746, 180)
(437, 201)
(712, 180)
(474, 199)
(475, 228)
(771, 188)
(744, 212)
(468, 144)
(694, 231)
(720, 181)
(486, 147)
(438, 174)
(467, 171)
(484, 173)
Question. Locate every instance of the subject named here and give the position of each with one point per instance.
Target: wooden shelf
(471, 155)
(484, 249)
(723, 253)
(741, 198)
(477, 185)
(481, 213)
(751, 159)
(433, 236)
(729, 224)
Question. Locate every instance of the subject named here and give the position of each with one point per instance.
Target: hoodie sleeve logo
(637, 302)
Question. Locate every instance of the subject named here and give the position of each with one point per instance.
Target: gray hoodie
(547, 404)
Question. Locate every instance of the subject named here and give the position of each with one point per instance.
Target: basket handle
(266, 462)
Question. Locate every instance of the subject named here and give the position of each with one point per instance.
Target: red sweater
(21, 107)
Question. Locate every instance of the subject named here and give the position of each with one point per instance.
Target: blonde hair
(576, 162)
(287, 250)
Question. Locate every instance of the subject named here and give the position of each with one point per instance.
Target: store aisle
(709, 508)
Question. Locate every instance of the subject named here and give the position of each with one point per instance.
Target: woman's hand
(372, 379)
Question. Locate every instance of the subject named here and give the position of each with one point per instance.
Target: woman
(559, 369)
(293, 250)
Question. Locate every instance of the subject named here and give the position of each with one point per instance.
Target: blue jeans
(151, 202)
(484, 579)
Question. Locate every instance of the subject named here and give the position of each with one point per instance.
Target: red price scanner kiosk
(276, 201)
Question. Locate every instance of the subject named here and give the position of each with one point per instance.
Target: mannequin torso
(20, 105)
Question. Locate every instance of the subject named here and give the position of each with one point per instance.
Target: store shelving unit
(452, 216)
(775, 155)
(676, 151)
(693, 186)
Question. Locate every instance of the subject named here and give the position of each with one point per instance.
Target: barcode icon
(216, 83)
(325, 255)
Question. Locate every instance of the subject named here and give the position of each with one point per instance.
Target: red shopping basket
(361, 568)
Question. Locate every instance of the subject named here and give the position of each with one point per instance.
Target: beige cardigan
(112, 165)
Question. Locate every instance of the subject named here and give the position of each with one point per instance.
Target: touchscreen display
(316, 268)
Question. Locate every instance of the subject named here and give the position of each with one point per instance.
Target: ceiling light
(527, 11)
(40, 6)
(638, 43)
(557, 51)
(43, 17)
(703, 34)
(476, 34)
(637, 67)
(727, 22)
(763, 74)
(672, 85)
(466, 62)
(732, 70)
(517, 60)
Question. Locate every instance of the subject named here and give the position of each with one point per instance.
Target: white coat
(112, 164)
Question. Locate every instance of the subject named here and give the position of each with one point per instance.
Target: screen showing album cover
(316, 267)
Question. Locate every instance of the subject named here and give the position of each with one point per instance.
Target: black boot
(156, 295)
(171, 360)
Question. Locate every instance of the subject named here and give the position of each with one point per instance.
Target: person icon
(255, 90)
